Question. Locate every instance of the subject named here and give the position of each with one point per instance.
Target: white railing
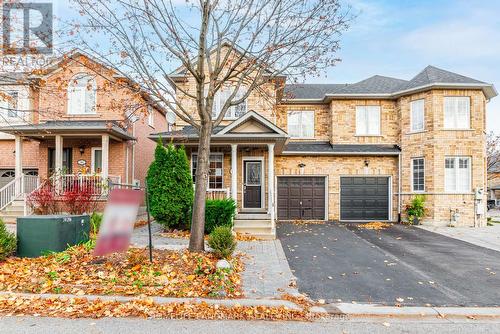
(218, 193)
(89, 182)
(8, 192)
(18, 187)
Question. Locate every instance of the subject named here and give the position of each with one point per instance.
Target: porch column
(105, 156)
(19, 163)
(270, 180)
(234, 172)
(59, 155)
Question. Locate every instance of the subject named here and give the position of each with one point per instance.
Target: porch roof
(325, 148)
(68, 127)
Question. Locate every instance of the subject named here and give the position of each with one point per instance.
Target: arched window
(82, 95)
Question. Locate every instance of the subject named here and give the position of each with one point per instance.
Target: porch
(241, 167)
(72, 155)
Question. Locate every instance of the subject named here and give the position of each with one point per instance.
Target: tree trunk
(197, 241)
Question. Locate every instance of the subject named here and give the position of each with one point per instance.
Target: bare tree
(493, 155)
(244, 44)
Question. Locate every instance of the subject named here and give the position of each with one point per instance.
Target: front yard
(76, 271)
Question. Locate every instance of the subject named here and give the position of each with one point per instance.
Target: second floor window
(456, 112)
(82, 95)
(301, 124)
(151, 116)
(234, 112)
(215, 162)
(417, 115)
(367, 120)
(418, 174)
(9, 104)
(457, 174)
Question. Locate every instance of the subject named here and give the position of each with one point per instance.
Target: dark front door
(364, 198)
(67, 160)
(252, 184)
(301, 197)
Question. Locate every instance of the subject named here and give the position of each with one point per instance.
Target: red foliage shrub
(43, 200)
(79, 200)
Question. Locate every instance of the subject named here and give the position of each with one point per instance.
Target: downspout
(133, 154)
(399, 188)
(126, 164)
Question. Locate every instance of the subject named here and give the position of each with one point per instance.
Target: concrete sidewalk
(487, 237)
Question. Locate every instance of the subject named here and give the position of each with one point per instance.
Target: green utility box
(38, 234)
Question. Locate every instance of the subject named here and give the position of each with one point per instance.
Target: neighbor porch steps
(254, 224)
(10, 213)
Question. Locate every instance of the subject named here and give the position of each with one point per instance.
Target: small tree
(170, 186)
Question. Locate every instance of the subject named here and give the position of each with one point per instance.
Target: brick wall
(30, 154)
(322, 119)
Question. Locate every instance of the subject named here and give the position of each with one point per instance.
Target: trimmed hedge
(170, 186)
(8, 242)
(219, 212)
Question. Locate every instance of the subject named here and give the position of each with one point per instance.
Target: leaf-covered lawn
(76, 271)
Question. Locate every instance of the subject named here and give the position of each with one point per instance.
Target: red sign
(118, 221)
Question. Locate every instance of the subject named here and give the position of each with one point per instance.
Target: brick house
(349, 152)
(77, 118)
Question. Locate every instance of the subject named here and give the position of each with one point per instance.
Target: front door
(252, 184)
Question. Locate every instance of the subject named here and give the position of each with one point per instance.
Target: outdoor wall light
(367, 163)
(302, 165)
(82, 149)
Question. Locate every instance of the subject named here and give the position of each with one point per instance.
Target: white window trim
(301, 111)
(69, 110)
(468, 127)
(362, 134)
(208, 179)
(151, 111)
(412, 174)
(216, 102)
(411, 117)
(92, 158)
(456, 158)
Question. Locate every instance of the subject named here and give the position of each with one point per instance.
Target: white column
(105, 156)
(19, 163)
(234, 172)
(270, 180)
(59, 155)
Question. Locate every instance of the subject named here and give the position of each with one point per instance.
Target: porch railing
(93, 183)
(16, 188)
(218, 193)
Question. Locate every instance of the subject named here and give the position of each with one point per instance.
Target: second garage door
(364, 198)
(301, 197)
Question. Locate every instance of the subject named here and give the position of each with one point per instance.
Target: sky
(399, 38)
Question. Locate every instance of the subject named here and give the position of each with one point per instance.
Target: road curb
(167, 300)
(381, 310)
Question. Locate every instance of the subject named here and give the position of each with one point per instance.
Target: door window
(253, 173)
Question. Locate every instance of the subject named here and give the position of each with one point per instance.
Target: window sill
(468, 129)
(368, 136)
(82, 115)
(415, 132)
(302, 138)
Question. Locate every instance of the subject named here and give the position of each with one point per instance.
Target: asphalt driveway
(398, 265)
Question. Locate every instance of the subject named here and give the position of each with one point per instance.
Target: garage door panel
(364, 198)
(301, 198)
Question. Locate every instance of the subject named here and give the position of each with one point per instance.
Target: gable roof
(379, 86)
(252, 115)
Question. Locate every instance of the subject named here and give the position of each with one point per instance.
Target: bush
(170, 186)
(416, 209)
(222, 241)
(95, 222)
(219, 212)
(8, 242)
(42, 201)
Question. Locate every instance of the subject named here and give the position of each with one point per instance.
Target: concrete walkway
(488, 237)
(266, 274)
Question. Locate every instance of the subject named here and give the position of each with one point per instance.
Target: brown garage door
(301, 197)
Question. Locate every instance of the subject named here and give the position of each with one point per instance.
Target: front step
(252, 216)
(255, 224)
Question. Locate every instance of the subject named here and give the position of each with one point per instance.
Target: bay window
(457, 175)
(457, 112)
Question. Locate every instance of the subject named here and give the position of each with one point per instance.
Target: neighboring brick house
(349, 152)
(494, 183)
(77, 117)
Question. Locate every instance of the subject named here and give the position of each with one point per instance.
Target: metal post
(149, 224)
